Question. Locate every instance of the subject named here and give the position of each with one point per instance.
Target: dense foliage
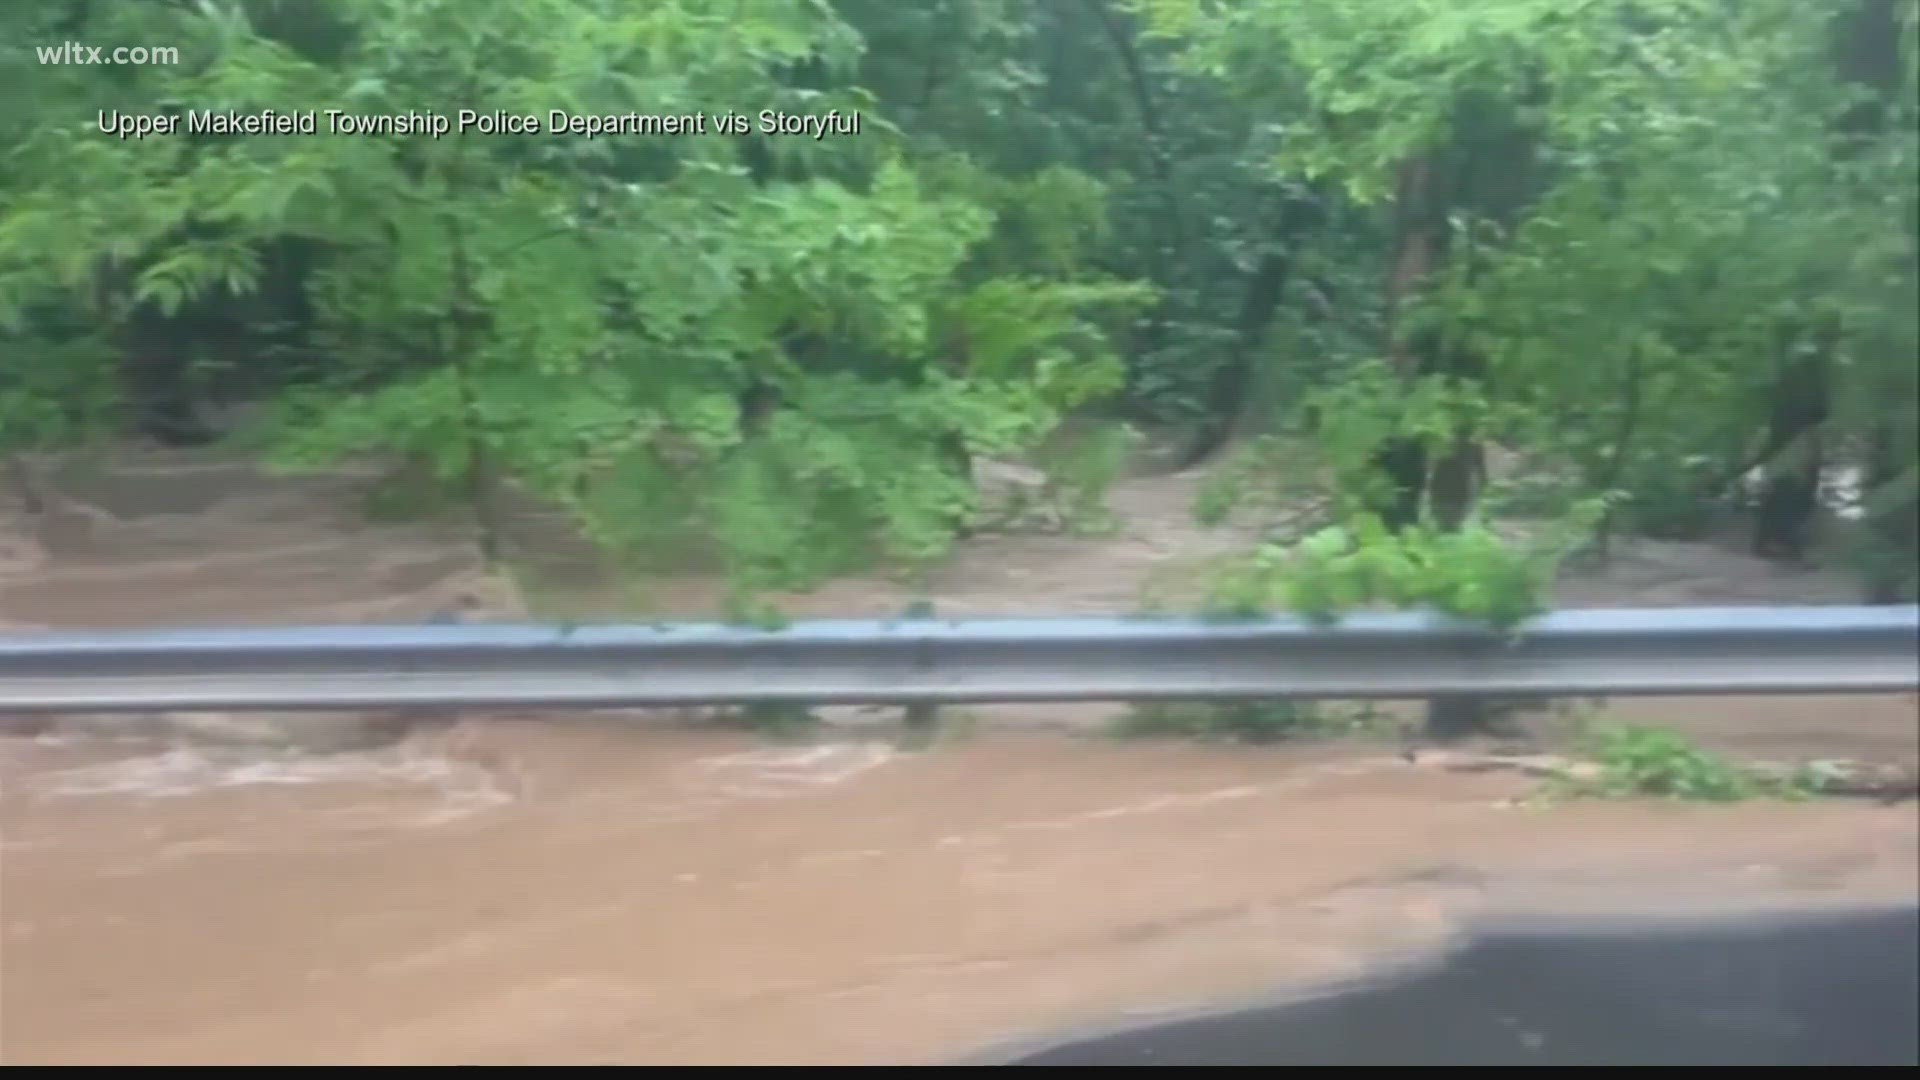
(1652, 248)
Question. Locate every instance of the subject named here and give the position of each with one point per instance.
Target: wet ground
(521, 890)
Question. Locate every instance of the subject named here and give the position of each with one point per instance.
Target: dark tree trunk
(1789, 505)
(939, 48)
(1231, 386)
(1403, 464)
(1867, 51)
(1166, 247)
(156, 359)
(1486, 171)
(1418, 242)
(469, 322)
(758, 402)
(1893, 523)
(1454, 488)
(1615, 466)
(1458, 474)
(1120, 35)
(1451, 719)
(289, 336)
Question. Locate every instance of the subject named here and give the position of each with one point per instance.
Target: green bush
(1637, 762)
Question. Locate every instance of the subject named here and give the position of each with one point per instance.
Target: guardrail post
(922, 718)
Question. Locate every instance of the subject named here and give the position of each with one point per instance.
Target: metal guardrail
(1567, 653)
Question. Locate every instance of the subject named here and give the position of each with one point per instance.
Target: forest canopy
(783, 271)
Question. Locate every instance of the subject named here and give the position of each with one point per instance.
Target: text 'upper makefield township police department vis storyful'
(474, 122)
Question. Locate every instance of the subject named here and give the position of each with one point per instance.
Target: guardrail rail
(1603, 652)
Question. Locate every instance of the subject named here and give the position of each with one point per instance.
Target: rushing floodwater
(571, 892)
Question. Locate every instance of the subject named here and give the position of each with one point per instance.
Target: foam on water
(462, 788)
(784, 772)
(436, 784)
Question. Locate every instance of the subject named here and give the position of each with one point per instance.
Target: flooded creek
(541, 890)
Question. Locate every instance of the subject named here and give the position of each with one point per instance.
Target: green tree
(1618, 235)
(749, 335)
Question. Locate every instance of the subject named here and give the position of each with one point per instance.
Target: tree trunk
(1152, 131)
(1454, 487)
(1451, 719)
(1892, 523)
(1615, 465)
(1789, 505)
(468, 320)
(1420, 242)
(1417, 243)
(1231, 386)
(937, 53)
(1403, 462)
(1866, 53)
(1867, 50)
(1166, 247)
(156, 358)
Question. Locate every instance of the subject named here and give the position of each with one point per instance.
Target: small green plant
(1247, 722)
(1472, 573)
(1638, 762)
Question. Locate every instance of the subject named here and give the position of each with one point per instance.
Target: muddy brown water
(544, 891)
(568, 890)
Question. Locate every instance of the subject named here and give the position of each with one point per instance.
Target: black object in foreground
(1838, 989)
